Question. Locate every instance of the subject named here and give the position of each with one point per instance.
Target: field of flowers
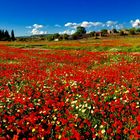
(69, 95)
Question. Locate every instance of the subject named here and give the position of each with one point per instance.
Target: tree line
(6, 36)
(82, 33)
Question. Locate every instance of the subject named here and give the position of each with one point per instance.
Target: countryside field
(117, 43)
(70, 90)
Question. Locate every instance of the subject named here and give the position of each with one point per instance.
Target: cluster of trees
(122, 32)
(131, 31)
(5, 36)
(57, 36)
(81, 33)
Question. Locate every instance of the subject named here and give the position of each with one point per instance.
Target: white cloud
(69, 32)
(37, 26)
(119, 26)
(69, 24)
(85, 24)
(135, 23)
(111, 23)
(72, 25)
(97, 24)
(36, 29)
(38, 32)
(91, 24)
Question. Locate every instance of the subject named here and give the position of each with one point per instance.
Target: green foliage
(138, 30)
(132, 31)
(114, 30)
(80, 30)
(5, 36)
(87, 48)
(92, 34)
(104, 32)
(56, 36)
(65, 36)
(13, 36)
(50, 37)
(74, 36)
(121, 33)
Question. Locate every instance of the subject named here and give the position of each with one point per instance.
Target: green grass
(8, 61)
(88, 48)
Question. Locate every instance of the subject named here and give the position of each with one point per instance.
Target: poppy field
(69, 94)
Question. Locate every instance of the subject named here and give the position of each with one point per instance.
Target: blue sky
(28, 17)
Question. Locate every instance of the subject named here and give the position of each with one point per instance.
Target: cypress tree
(13, 36)
(6, 36)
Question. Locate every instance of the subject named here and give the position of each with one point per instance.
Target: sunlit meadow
(69, 94)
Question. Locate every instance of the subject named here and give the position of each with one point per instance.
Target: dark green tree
(56, 35)
(122, 33)
(132, 31)
(65, 36)
(75, 36)
(80, 30)
(13, 36)
(114, 30)
(138, 30)
(104, 32)
(92, 34)
(50, 37)
(7, 36)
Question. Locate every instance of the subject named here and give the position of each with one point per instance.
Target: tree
(114, 30)
(65, 36)
(7, 36)
(138, 30)
(50, 37)
(56, 36)
(13, 36)
(80, 30)
(122, 33)
(74, 36)
(104, 32)
(132, 31)
(92, 34)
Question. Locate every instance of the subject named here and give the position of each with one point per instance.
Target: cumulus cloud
(119, 26)
(135, 23)
(37, 26)
(38, 32)
(36, 29)
(85, 24)
(90, 24)
(69, 32)
(97, 24)
(72, 25)
(111, 23)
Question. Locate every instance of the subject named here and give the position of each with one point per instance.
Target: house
(56, 39)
